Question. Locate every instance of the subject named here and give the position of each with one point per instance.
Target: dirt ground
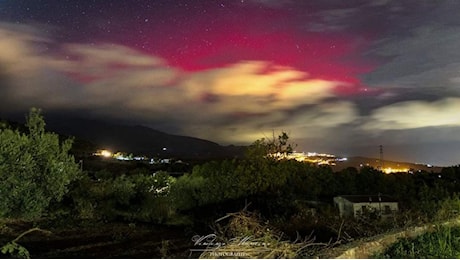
(104, 240)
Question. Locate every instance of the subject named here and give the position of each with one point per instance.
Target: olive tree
(35, 169)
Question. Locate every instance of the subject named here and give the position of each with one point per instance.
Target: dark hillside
(141, 140)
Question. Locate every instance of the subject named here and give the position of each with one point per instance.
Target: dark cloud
(420, 49)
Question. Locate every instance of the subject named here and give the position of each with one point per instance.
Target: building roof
(368, 198)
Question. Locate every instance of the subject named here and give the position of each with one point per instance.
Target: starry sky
(338, 76)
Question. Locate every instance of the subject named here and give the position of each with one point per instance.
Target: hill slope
(358, 162)
(140, 140)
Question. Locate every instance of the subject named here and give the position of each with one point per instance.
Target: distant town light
(164, 148)
(106, 153)
(397, 170)
(310, 157)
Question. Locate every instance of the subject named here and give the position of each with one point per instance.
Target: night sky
(338, 76)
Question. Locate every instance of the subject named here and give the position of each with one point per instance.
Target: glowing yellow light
(397, 170)
(106, 153)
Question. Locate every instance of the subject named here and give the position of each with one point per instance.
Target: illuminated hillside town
(320, 159)
(121, 156)
(311, 157)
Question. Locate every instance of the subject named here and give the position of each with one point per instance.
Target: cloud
(415, 114)
(330, 114)
(19, 49)
(422, 60)
(419, 52)
(243, 87)
(232, 103)
(27, 71)
(115, 54)
(311, 122)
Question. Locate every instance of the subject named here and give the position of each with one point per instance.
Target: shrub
(141, 197)
(35, 169)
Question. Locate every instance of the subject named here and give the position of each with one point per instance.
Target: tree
(35, 169)
(266, 148)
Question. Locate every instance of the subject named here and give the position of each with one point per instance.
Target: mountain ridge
(139, 139)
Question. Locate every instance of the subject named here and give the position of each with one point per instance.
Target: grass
(442, 243)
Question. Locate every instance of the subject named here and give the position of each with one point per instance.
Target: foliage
(35, 169)
(444, 242)
(268, 148)
(258, 175)
(14, 249)
(138, 196)
(449, 208)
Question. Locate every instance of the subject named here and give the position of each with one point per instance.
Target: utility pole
(381, 157)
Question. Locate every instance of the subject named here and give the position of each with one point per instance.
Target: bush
(141, 197)
(35, 169)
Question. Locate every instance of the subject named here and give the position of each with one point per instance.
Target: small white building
(355, 205)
